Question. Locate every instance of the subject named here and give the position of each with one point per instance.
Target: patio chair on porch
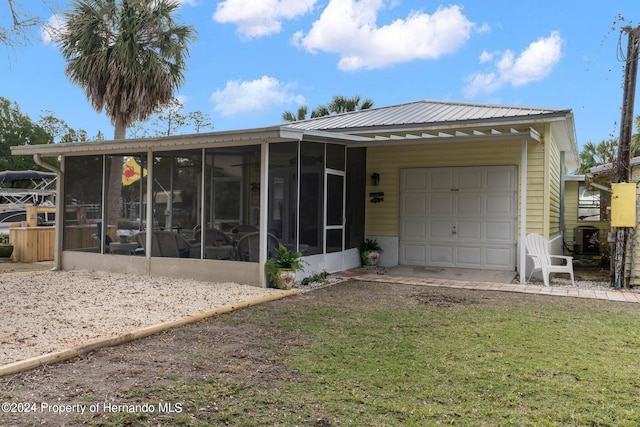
(538, 250)
(168, 244)
(248, 247)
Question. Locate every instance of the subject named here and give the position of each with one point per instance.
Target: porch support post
(264, 206)
(523, 212)
(149, 214)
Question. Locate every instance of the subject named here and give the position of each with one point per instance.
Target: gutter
(57, 265)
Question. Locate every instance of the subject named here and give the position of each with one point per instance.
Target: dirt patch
(439, 299)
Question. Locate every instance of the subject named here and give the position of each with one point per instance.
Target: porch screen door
(334, 211)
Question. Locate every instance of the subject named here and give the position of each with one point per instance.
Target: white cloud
(188, 2)
(534, 63)
(49, 31)
(349, 28)
(250, 97)
(258, 18)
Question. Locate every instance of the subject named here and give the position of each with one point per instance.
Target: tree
(18, 25)
(288, 116)
(606, 151)
(167, 120)
(339, 104)
(61, 131)
(16, 129)
(129, 58)
(594, 155)
(199, 120)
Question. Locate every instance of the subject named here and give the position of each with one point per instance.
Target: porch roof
(411, 123)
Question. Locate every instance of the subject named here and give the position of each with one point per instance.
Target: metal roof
(426, 113)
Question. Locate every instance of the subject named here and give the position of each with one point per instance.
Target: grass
(473, 364)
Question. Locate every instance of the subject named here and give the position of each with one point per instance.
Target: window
(592, 203)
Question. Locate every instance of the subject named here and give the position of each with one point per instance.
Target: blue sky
(254, 59)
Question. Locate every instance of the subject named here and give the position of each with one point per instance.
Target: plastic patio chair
(538, 250)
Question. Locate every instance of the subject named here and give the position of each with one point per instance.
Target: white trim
(523, 211)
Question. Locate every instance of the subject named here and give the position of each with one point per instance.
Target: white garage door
(459, 217)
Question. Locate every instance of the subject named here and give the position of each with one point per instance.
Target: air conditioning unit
(586, 240)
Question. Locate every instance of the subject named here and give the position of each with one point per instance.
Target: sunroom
(209, 206)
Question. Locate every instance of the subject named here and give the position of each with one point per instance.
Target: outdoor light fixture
(375, 179)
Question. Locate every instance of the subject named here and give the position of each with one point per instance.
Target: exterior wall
(553, 179)
(247, 273)
(382, 219)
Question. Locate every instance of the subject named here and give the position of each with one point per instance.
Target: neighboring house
(585, 212)
(436, 183)
(598, 214)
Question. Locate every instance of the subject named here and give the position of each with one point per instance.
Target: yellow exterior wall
(382, 219)
(552, 189)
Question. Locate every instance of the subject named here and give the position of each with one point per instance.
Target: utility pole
(623, 173)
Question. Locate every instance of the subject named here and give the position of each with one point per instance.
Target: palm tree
(594, 155)
(288, 116)
(129, 57)
(339, 104)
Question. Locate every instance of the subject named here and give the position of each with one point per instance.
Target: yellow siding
(553, 185)
(536, 189)
(382, 219)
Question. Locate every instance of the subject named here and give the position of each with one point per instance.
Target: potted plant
(370, 252)
(6, 248)
(281, 269)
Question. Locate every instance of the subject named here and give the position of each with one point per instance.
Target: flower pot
(284, 279)
(370, 258)
(6, 250)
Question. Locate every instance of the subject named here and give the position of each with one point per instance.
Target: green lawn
(546, 361)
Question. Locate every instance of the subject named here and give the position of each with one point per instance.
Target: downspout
(59, 208)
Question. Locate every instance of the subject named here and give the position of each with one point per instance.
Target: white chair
(538, 250)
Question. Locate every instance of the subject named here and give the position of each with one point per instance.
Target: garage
(462, 217)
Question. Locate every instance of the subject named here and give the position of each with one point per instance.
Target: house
(588, 209)
(436, 183)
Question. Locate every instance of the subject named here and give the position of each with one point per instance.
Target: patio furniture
(248, 247)
(168, 244)
(119, 248)
(538, 250)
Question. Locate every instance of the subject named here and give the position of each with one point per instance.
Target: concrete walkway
(601, 294)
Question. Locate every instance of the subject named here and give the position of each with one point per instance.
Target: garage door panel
(414, 204)
(415, 254)
(468, 256)
(469, 230)
(440, 255)
(499, 258)
(500, 204)
(501, 179)
(471, 179)
(441, 230)
(497, 231)
(459, 217)
(469, 205)
(414, 229)
(441, 205)
(440, 179)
